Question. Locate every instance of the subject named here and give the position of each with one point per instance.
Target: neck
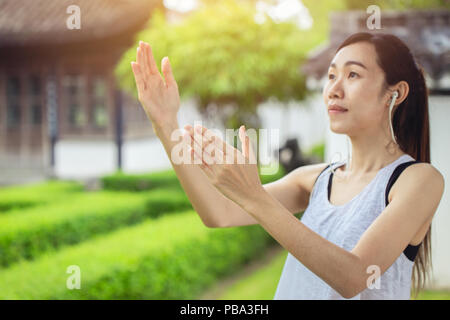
(371, 153)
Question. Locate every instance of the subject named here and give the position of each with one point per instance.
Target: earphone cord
(390, 111)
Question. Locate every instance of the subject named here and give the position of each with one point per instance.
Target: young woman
(366, 221)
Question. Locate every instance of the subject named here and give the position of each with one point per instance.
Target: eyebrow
(349, 63)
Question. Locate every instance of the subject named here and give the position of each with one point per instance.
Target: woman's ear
(402, 89)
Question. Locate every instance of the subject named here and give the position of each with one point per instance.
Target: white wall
(77, 159)
(83, 159)
(439, 109)
(305, 121)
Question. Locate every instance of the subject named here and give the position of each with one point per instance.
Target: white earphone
(394, 97)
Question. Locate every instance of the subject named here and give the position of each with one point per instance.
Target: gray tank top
(344, 225)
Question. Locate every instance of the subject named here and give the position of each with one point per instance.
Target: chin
(338, 128)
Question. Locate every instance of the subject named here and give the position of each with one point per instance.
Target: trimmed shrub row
(19, 197)
(174, 257)
(120, 181)
(126, 182)
(40, 229)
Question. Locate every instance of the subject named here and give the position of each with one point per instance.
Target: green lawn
(261, 285)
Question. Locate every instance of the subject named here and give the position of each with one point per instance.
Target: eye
(351, 74)
(331, 76)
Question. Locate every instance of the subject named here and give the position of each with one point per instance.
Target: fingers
(140, 84)
(188, 140)
(247, 149)
(198, 146)
(243, 142)
(219, 143)
(146, 58)
(210, 143)
(252, 156)
(205, 140)
(202, 159)
(167, 71)
(149, 60)
(140, 58)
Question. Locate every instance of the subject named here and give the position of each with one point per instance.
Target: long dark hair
(410, 120)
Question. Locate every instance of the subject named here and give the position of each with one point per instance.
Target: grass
(261, 284)
(434, 295)
(50, 191)
(173, 257)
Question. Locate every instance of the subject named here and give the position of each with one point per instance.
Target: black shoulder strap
(321, 172)
(410, 251)
(398, 170)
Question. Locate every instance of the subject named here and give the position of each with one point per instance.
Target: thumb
(247, 149)
(167, 72)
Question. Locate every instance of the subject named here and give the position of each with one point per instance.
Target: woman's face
(355, 82)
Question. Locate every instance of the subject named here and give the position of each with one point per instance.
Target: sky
(277, 10)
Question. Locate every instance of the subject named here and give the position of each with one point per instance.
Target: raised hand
(160, 99)
(237, 179)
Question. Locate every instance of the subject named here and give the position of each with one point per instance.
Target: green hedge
(82, 216)
(318, 150)
(120, 181)
(270, 178)
(23, 196)
(174, 257)
(168, 178)
(36, 230)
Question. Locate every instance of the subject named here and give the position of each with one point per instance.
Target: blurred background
(84, 181)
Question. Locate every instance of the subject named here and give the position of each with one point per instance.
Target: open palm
(160, 100)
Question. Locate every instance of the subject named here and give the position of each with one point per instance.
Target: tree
(222, 57)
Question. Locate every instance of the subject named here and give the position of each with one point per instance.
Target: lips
(336, 107)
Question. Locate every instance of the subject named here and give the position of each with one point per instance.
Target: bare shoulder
(420, 175)
(305, 176)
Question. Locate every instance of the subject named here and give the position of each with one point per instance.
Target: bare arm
(216, 210)
(211, 205)
(292, 191)
(161, 102)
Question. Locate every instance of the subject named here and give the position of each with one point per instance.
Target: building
(57, 82)
(427, 33)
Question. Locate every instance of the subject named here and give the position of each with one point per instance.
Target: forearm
(339, 268)
(207, 201)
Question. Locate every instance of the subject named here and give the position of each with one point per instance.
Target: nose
(335, 90)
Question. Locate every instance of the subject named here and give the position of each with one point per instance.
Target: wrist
(260, 200)
(165, 129)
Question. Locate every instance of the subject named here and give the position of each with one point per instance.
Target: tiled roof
(27, 22)
(426, 32)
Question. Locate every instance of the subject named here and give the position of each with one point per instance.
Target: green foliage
(220, 55)
(163, 201)
(162, 179)
(22, 196)
(141, 182)
(261, 284)
(157, 259)
(40, 229)
(318, 150)
(273, 177)
(174, 257)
